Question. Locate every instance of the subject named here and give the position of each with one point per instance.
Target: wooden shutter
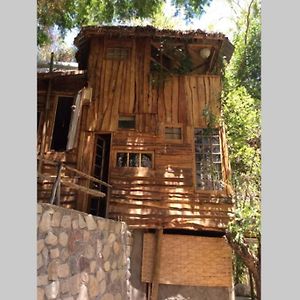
(74, 121)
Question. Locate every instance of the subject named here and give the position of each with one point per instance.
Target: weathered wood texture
(64, 85)
(188, 260)
(165, 194)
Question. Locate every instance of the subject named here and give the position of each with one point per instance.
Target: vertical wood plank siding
(164, 195)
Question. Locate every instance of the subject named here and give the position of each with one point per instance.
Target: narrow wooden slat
(83, 189)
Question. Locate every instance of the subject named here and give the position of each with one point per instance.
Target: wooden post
(251, 285)
(56, 184)
(156, 265)
(43, 142)
(108, 195)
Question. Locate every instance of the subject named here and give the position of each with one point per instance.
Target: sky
(217, 18)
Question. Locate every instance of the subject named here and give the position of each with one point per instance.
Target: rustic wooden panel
(189, 260)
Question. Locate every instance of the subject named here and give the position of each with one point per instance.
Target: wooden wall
(164, 195)
(61, 86)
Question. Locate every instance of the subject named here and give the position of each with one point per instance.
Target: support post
(56, 184)
(156, 264)
(107, 198)
(47, 106)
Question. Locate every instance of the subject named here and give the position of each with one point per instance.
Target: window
(173, 133)
(208, 159)
(134, 160)
(62, 123)
(127, 122)
(117, 53)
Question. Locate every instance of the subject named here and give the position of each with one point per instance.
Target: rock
(116, 248)
(74, 283)
(38, 219)
(63, 239)
(75, 237)
(83, 293)
(40, 261)
(94, 287)
(84, 264)
(89, 252)
(81, 222)
(75, 224)
(63, 270)
(51, 239)
(40, 245)
(101, 224)
(64, 254)
(100, 274)
(39, 209)
(93, 266)
(53, 270)
(74, 267)
(52, 290)
(66, 222)
(118, 228)
(108, 296)
(54, 253)
(40, 294)
(91, 224)
(56, 219)
(118, 296)
(68, 298)
(42, 280)
(45, 254)
(111, 238)
(84, 277)
(65, 288)
(99, 246)
(45, 223)
(86, 235)
(113, 275)
(114, 264)
(106, 252)
(106, 266)
(102, 287)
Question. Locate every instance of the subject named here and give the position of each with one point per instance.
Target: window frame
(140, 159)
(180, 126)
(127, 116)
(117, 58)
(199, 189)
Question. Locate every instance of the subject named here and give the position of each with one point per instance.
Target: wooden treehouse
(142, 114)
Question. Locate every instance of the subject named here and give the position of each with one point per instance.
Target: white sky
(218, 18)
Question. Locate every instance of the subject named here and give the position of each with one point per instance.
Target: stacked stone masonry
(80, 256)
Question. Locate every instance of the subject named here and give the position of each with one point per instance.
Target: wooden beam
(156, 265)
(56, 185)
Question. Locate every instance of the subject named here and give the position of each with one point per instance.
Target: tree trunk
(251, 262)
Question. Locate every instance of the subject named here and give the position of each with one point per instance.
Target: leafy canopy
(241, 109)
(68, 14)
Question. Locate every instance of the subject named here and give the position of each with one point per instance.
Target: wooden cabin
(142, 113)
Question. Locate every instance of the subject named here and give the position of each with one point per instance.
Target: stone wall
(79, 256)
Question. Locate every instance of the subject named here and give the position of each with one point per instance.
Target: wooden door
(98, 206)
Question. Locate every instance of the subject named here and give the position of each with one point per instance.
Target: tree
(68, 14)
(241, 108)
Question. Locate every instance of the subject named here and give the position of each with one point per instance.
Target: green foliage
(241, 112)
(62, 52)
(68, 14)
(245, 66)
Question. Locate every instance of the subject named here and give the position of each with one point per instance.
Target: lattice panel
(189, 260)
